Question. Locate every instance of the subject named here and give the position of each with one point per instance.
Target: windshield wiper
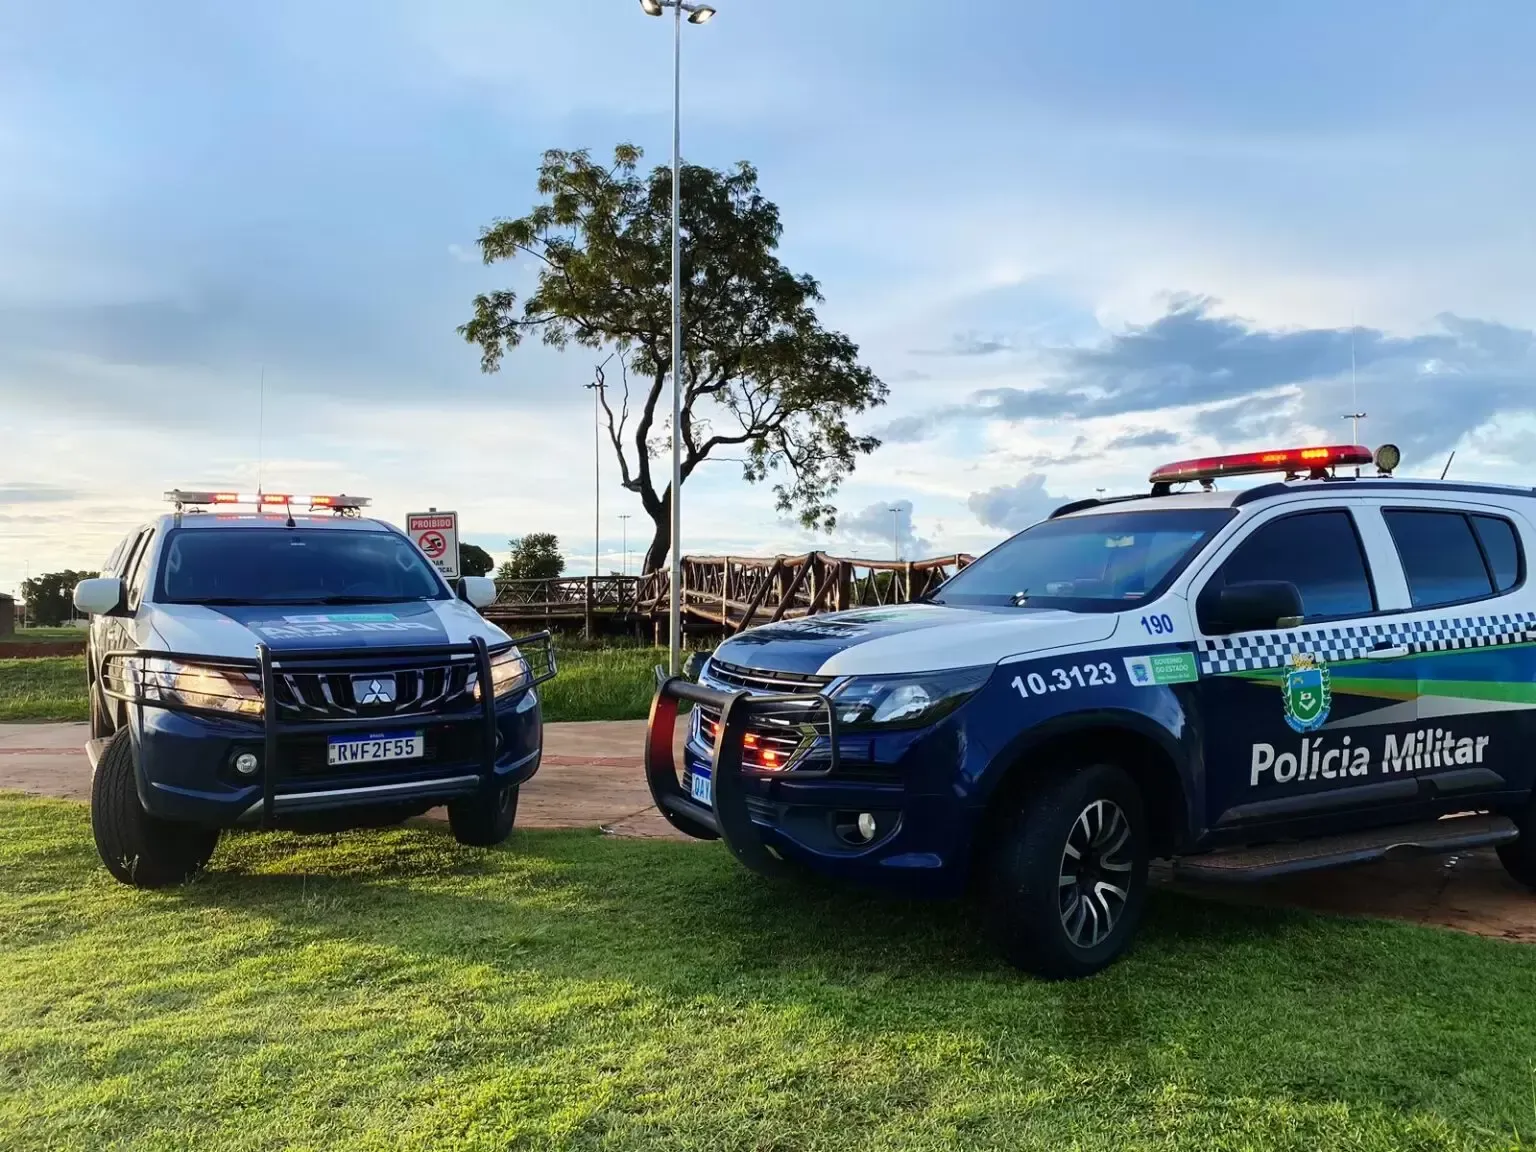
(368, 600)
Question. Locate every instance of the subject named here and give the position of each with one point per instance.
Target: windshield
(1102, 562)
(293, 566)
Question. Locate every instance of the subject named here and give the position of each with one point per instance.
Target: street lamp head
(651, 7)
(700, 15)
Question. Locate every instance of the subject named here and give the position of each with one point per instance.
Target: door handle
(1387, 652)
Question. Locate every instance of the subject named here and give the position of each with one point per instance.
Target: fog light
(246, 764)
(866, 824)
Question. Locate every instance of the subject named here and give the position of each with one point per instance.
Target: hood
(234, 631)
(911, 638)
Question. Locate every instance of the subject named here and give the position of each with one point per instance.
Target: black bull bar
(728, 818)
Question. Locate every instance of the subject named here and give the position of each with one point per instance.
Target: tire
(1519, 857)
(137, 848)
(485, 820)
(1059, 930)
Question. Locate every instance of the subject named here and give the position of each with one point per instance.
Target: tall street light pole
(697, 14)
(624, 520)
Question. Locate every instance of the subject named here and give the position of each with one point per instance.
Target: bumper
(185, 760)
(919, 837)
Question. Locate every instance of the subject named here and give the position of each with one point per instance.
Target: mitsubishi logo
(374, 689)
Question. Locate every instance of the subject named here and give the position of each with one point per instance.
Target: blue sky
(1076, 240)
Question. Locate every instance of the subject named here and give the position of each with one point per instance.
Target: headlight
(901, 701)
(509, 674)
(158, 680)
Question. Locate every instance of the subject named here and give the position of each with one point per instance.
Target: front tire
(137, 848)
(485, 820)
(1069, 875)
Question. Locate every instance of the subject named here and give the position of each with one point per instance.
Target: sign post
(437, 535)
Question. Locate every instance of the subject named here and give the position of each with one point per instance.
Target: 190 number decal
(1159, 625)
(1064, 679)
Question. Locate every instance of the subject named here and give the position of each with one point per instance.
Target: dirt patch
(34, 649)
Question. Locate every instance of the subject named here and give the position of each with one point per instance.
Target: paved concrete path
(592, 777)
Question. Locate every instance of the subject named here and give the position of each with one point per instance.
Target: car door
(1294, 716)
(1475, 709)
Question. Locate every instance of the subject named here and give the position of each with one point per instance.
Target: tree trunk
(661, 540)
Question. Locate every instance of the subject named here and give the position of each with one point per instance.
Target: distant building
(7, 614)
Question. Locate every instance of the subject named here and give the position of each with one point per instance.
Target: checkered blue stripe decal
(1335, 643)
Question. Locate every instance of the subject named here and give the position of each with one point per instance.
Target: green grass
(48, 688)
(394, 991)
(601, 684)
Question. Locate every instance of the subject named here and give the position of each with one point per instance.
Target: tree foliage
(50, 597)
(761, 375)
(473, 560)
(535, 556)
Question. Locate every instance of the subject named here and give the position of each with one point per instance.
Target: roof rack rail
(1094, 501)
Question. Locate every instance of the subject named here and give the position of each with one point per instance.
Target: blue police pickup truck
(307, 671)
(1320, 670)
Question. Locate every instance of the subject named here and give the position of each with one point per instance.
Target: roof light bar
(183, 498)
(1313, 461)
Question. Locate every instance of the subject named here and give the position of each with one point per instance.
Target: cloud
(1013, 507)
(969, 344)
(885, 525)
(1150, 438)
(23, 492)
(1424, 391)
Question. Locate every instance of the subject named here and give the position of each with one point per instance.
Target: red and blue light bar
(181, 498)
(1292, 461)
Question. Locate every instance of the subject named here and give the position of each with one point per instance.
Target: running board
(1242, 865)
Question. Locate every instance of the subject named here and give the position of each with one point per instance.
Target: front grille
(729, 676)
(416, 689)
(781, 736)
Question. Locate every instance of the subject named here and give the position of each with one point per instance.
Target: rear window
(1451, 557)
(1501, 547)
(293, 566)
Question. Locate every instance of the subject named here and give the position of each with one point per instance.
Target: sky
(1075, 240)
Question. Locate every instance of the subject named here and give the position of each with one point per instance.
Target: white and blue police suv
(304, 671)
(1312, 672)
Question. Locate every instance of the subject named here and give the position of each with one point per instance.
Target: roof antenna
(1447, 467)
(1354, 392)
(261, 427)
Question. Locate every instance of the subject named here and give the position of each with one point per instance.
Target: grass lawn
(600, 684)
(47, 688)
(393, 991)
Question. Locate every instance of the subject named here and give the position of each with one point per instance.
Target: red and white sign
(437, 535)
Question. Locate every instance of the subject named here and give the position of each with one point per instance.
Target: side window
(1501, 548)
(1441, 557)
(1319, 552)
(140, 570)
(110, 567)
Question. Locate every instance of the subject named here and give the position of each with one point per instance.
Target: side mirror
(478, 590)
(693, 665)
(101, 596)
(1258, 604)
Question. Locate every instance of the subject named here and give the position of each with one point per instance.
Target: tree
(760, 372)
(50, 597)
(474, 561)
(535, 556)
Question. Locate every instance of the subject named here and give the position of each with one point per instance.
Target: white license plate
(702, 787)
(366, 749)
